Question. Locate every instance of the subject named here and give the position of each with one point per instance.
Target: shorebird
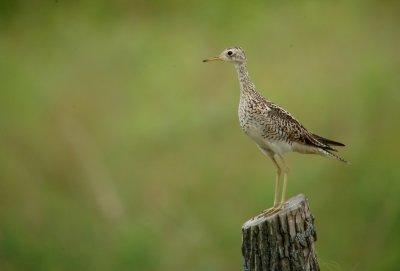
(272, 128)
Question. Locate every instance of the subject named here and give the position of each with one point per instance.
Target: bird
(274, 130)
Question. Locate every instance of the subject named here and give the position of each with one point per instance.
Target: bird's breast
(251, 125)
(258, 128)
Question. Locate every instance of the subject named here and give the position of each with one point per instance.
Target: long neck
(246, 85)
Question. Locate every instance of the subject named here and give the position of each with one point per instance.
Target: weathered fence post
(281, 241)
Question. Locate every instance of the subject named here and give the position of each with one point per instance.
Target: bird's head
(232, 54)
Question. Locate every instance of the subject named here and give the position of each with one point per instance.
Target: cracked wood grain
(281, 241)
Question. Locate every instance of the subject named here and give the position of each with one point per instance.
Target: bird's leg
(283, 196)
(282, 168)
(285, 173)
(277, 186)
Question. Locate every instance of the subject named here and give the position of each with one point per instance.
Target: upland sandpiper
(272, 128)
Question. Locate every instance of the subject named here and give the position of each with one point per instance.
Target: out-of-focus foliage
(121, 150)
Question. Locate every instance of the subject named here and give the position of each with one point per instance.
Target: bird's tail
(328, 141)
(332, 155)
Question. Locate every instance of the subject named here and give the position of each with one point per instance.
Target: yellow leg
(277, 203)
(283, 196)
(277, 183)
(284, 186)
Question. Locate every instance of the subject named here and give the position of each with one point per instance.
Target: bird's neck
(246, 85)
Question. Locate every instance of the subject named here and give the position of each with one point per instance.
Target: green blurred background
(121, 150)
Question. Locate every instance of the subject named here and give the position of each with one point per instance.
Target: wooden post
(281, 241)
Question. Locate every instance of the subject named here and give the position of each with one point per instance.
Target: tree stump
(281, 241)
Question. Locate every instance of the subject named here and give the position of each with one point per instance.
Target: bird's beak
(216, 58)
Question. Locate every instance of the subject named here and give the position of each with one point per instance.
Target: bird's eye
(230, 53)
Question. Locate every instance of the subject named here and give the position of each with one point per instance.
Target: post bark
(281, 241)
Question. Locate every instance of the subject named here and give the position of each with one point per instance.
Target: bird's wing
(283, 125)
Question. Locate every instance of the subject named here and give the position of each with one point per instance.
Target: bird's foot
(273, 209)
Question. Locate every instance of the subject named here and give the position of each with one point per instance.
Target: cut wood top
(292, 204)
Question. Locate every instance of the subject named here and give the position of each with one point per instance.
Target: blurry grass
(121, 150)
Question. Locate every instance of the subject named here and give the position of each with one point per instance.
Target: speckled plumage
(272, 128)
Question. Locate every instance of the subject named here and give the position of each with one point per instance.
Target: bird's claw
(273, 209)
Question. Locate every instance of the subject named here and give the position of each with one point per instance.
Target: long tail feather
(332, 155)
(328, 141)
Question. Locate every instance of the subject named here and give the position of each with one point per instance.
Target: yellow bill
(216, 58)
